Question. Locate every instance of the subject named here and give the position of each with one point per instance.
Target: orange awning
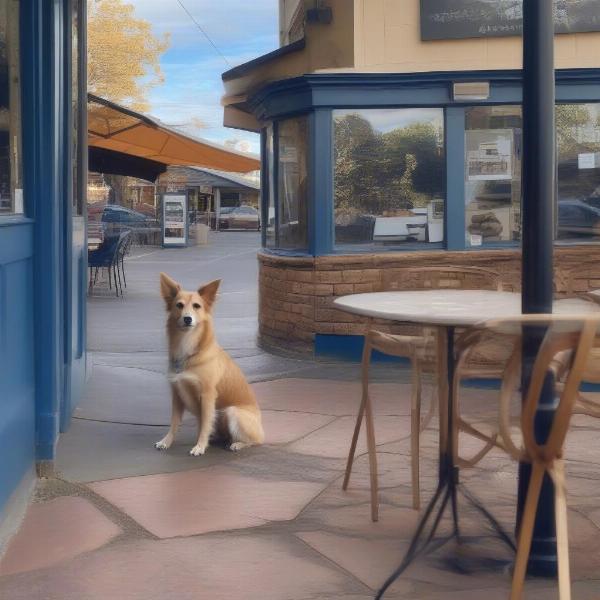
(119, 129)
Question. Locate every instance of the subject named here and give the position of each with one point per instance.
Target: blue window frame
(320, 95)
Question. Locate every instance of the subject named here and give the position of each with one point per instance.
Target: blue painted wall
(42, 258)
(17, 389)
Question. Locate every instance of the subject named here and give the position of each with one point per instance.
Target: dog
(204, 378)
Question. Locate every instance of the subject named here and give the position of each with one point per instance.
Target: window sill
(12, 220)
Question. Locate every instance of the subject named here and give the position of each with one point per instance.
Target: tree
(123, 54)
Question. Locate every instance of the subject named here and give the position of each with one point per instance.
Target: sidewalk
(126, 522)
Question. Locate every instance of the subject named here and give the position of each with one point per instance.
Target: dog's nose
(187, 320)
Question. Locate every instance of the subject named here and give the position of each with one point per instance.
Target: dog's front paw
(198, 450)
(237, 446)
(164, 444)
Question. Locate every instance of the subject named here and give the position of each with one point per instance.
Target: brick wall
(297, 293)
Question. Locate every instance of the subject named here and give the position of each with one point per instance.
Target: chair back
(441, 277)
(574, 336)
(125, 239)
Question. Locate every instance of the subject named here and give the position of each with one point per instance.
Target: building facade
(43, 257)
(391, 137)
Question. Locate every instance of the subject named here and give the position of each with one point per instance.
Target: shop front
(367, 168)
(43, 256)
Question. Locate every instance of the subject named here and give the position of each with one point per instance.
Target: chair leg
(415, 431)
(116, 267)
(526, 532)
(115, 280)
(123, 270)
(96, 276)
(361, 411)
(90, 282)
(109, 279)
(562, 535)
(372, 459)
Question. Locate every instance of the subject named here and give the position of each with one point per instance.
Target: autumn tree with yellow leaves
(123, 54)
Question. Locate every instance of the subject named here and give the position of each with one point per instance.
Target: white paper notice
(18, 200)
(586, 160)
(476, 240)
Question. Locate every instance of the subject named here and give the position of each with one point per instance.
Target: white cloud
(241, 29)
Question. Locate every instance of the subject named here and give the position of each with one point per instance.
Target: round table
(446, 310)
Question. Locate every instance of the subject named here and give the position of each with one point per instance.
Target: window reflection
(269, 217)
(11, 187)
(389, 176)
(578, 138)
(292, 185)
(492, 174)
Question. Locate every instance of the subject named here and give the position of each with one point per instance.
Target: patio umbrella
(114, 128)
(538, 194)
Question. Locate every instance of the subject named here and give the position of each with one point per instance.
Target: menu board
(174, 219)
(456, 19)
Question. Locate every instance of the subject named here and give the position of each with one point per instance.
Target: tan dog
(204, 379)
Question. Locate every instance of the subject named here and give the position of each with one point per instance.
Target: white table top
(448, 307)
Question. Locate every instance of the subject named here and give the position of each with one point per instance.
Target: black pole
(538, 194)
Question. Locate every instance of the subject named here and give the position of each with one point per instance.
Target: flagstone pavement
(122, 521)
(272, 522)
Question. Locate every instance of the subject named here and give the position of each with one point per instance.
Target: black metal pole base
(446, 494)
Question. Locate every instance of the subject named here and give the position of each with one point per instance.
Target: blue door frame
(58, 258)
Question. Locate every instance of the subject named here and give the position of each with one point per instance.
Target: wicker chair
(570, 281)
(570, 336)
(420, 351)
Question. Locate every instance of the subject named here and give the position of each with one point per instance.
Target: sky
(192, 90)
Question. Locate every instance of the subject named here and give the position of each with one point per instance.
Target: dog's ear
(209, 292)
(168, 289)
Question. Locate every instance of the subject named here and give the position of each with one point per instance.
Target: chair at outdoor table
(124, 247)
(104, 257)
(420, 351)
(566, 346)
(571, 281)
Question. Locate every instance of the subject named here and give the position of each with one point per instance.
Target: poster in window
(489, 154)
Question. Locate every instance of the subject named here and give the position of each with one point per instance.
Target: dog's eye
(196, 305)
(179, 305)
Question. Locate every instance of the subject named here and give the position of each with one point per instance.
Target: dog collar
(177, 365)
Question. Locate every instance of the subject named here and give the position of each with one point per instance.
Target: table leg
(447, 488)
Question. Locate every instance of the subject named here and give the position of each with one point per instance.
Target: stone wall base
(297, 293)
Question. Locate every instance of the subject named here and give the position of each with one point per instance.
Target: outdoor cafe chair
(565, 348)
(110, 255)
(419, 349)
(574, 281)
(104, 257)
(123, 249)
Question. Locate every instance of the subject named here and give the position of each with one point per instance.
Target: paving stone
(250, 568)
(330, 397)
(370, 561)
(334, 439)
(283, 427)
(56, 531)
(212, 499)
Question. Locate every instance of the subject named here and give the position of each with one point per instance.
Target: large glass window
(578, 140)
(11, 187)
(292, 184)
(492, 174)
(389, 176)
(269, 217)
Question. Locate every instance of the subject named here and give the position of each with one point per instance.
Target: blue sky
(241, 29)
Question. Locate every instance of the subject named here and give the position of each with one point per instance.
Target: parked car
(224, 211)
(576, 217)
(239, 217)
(116, 218)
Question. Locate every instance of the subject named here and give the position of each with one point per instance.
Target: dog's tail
(244, 425)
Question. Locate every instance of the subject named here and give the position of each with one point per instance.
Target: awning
(116, 129)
